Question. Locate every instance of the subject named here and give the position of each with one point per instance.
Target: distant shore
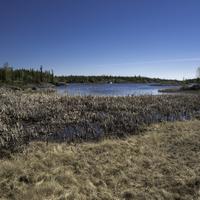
(190, 88)
(51, 87)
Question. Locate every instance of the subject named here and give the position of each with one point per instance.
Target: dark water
(116, 89)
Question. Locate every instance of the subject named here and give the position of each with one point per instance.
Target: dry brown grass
(163, 163)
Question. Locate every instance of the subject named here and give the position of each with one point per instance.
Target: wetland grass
(47, 116)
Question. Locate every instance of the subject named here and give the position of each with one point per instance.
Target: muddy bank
(191, 88)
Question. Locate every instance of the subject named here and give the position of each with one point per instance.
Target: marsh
(26, 116)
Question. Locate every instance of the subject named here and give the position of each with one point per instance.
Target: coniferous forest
(25, 76)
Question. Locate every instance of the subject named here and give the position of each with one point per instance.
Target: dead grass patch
(163, 163)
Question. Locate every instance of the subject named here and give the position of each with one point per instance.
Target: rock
(194, 86)
(61, 84)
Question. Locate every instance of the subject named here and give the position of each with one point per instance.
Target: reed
(49, 117)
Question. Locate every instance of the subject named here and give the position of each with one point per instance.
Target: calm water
(118, 89)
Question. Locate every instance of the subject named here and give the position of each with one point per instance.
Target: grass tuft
(162, 163)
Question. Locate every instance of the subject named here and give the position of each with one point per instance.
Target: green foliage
(189, 81)
(113, 79)
(35, 76)
(25, 76)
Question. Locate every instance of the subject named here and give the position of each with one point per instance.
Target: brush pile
(41, 116)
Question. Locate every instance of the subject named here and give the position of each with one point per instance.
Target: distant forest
(25, 76)
(13, 76)
(113, 79)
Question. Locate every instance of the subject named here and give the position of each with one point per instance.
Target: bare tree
(198, 72)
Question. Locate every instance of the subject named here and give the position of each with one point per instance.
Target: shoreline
(190, 88)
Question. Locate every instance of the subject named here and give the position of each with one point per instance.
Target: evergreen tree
(24, 76)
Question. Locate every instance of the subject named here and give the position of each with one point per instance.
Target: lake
(115, 89)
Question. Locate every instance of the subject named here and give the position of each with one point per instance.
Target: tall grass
(29, 116)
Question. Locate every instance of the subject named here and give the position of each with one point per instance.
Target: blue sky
(155, 38)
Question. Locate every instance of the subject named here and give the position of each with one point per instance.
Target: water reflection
(118, 89)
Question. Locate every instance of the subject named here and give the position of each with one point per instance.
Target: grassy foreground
(162, 163)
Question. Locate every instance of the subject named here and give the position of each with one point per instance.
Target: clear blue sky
(155, 38)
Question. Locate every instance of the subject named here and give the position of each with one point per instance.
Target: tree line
(25, 76)
(124, 79)
(112, 79)
(11, 75)
(196, 80)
